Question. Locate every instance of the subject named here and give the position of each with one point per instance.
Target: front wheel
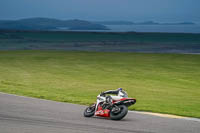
(89, 111)
(118, 112)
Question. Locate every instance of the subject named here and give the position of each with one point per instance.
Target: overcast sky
(133, 10)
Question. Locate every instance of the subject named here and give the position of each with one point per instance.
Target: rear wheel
(89, 111)
(118, 112)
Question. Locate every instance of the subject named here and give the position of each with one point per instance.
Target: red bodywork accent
(102, 113)
(124, 99)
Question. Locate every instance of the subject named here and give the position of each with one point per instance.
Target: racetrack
(29, 115)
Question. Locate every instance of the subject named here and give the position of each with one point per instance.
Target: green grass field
(166, 83)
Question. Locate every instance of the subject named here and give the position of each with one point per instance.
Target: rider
(109, 98)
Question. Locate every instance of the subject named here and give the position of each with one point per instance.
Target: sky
(99, 10)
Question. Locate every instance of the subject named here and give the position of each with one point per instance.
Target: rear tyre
(89, 111)
(119, 114)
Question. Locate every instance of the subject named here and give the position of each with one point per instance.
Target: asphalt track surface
(30, 115)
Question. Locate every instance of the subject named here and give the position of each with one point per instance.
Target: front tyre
(89, 111)
(118, 114)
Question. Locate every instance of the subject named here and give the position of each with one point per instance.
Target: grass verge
(165, 83)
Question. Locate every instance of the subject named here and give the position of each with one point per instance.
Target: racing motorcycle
(113, 107)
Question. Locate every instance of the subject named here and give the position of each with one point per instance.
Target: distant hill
(140, 23)
(75, 24)
(115, 22)
(148, 23)
(181, 23)
(49, 24)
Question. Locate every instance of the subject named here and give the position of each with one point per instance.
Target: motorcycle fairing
(102, 113)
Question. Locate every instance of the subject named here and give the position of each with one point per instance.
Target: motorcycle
(113, 107)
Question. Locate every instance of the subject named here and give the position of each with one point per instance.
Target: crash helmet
(109, 99)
